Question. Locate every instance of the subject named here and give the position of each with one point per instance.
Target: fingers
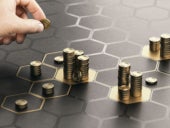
(33, 8)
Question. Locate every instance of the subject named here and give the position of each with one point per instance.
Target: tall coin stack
(77, 73)
(154, 44)
(136, 84)
(69, 62)
(83, 65)
(123, 74)
(165, 46)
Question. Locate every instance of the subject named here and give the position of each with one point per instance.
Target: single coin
(59, 59)
(21, 104)
(46, 23)
(151, 80)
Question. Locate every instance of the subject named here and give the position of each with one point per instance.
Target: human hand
(14, 22)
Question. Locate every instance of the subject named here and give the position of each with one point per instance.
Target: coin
(154, 44)
(48, 89)
(46, 23)
(35, 68)
(151, 80)
(59, 59)
(21, 104)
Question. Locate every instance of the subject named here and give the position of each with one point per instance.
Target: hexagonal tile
(23, 57)
(64, 106)
(83, 9)
(102, 61)
(162, 96)
(61, 19)
(117, 12)
(78, 121)
(141, 64)
(6, 118)
(12, 85)
(138, 29)
(60, 89)
(34, 103)
(108, 77)
(49, 59)
(163, 4)
(49, 44)
(109, 35)
(36, 120)
(96, 22)
(157, 124)
(45, 34)
(52, 7)
(89, 91)
(163, 79)
(146, 111)
(88, 46)
(138, 3)
(105, 108)
(121, 122)
(119, 49)
(147, 13)
(46, 73)
(105, 2)
(159, 27)
(7, 69)
(15, 47)
(76, 33)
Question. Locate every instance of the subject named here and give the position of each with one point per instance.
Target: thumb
(27, 26)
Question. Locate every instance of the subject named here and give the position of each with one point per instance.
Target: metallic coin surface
(151, 80)
(46, 23)
(59, 59)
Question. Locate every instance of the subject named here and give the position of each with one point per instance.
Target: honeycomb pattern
(109, 31)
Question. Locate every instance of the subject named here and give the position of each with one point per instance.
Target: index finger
(32, 7)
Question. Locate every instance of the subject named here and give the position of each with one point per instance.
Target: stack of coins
(35, 68)
(123, 74)
(154, 44)
(124, 92)
(48, 89)
(77, 74)
(21, 104)
(46, 23)
(136, 84)
(165, 46)
(83, 65)
(69, 63)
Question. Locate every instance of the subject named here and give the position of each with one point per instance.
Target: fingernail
(40, 27)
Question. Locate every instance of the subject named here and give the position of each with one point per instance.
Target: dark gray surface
(109, 31)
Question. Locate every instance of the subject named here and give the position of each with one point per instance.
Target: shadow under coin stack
(83, 65)
(128, 91)
(165, 46)
(69, 63)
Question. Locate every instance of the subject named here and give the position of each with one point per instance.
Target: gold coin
(35, 63)
(59, 59)
(46, 23)
(21, 102)
(48, 86)
(151, 80)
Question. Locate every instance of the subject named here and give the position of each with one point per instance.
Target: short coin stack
(123, 73)
(69, 63)
(21, 104)
(154, 44)
(124, 93)
(35, 68)
(48, 89)
(165, 46)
